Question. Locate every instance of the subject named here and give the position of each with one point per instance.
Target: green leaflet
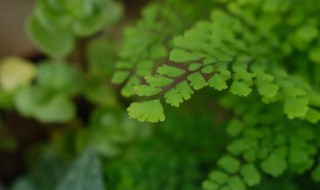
(184, 90)
(149, 111)
(296, 107)
(274, 165)
(183, 56)
(240, 88)
(219, 177)
(197, 81)
(218, 82)
(173, 98)
(120, 76)
(235, 183)
(158, 80)
(229, 164)
(170, 71)
(250, 174)
(145, 90)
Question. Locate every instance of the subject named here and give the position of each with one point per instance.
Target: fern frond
(147, 43)
(226, 52)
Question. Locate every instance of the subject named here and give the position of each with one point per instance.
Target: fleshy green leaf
(57, 109)
(149, 111)
(15, 72)
(53, 42)
(59, 77)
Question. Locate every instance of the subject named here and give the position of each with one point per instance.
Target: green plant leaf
(170, 71)
(274, 165)
(53, 42)
(184, 90)
(59, 77)
(197, 81)
(219, 177)
(15, 72)
(173, 98)
(250, 174)
(158, 81)
(179, 55)
(229, 164)
(40, 104)
(240, 88)
(26, 100)
(296, 107)
(218, 82)
(297, 156)
(84, 174)
(235, 183)
(145, 90)
(149, 111)
(57, 109)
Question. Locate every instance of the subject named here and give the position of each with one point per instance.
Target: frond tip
(147, 111)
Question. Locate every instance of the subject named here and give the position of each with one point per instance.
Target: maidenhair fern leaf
(197, 81)
(184, 90)
(170, 71)
(181, 56)
(158, 80)
(145, 90)
(149, 111)
(236, 183)
(250, 174)
(173, 98)
(218, 82)
(229, 164)
(296, 107)
(147, 44)
(240, 88)
(274, 165)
